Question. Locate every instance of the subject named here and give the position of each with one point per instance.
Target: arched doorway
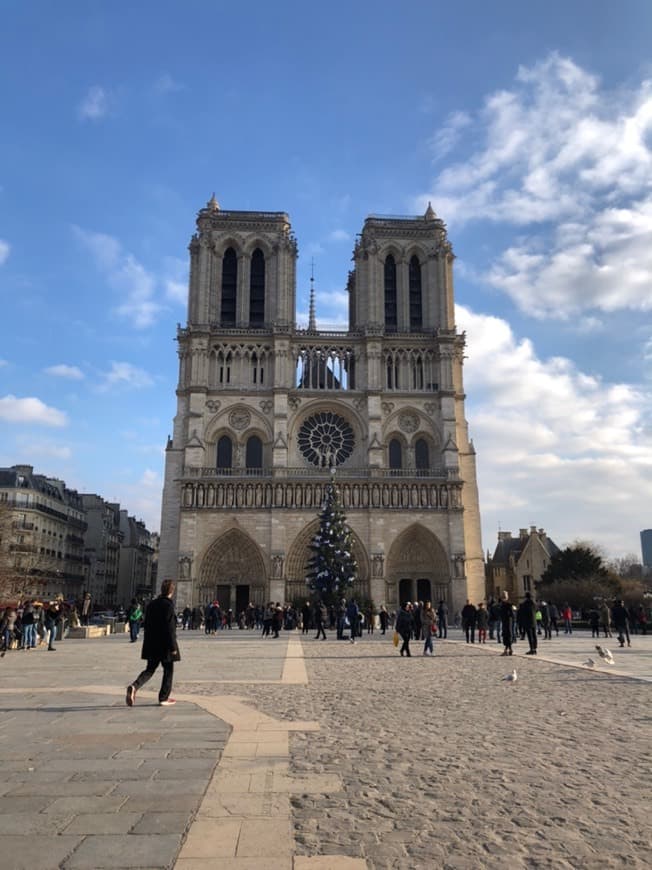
(300, 553)
(233, 572)
(417, 568)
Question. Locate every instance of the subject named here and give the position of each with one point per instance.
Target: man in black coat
(405, 627)
(528, 611)
(468, 621)
(159, 646)
(620, 618)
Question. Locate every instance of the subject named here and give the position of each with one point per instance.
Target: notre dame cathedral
(266, 410)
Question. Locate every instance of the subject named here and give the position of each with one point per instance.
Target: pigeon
(511, 678)
(589, 663)
(605, 654)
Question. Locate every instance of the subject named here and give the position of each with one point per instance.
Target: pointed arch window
(254, 454)
(395, 454)
(257, 289)
(229, 287)
(422, 455)
(416, 312)
(391, 307)
(224, 454)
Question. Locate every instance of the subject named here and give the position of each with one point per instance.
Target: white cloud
(126, 275)
(339, 236)
(94, 105)
(5, 249)
(30, 410)
(65, 371)
(46, 449)
(166, 84)
(124, 374)
(3, 362)
(556, 447)
(176, 280)
(449, 135)
(569, 162)
(142, 497)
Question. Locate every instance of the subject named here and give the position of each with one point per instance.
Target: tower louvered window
(416, 313)
(224, 453)
(422, 455)
(395, 454)
(391, 308)
(254, 454)
(257, 289)
(229, 287)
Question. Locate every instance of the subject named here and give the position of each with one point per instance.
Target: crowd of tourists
(32, 624)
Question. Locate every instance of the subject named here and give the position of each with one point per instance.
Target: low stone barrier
(83, 631)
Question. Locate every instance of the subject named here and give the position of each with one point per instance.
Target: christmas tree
(332, 568)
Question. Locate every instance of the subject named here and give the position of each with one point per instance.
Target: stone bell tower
(265, 410)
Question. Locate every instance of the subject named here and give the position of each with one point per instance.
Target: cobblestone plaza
(297, 754)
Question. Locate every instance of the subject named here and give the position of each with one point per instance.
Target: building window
(395, 454)
(254, 453)
(391, 308)
(225, 368)
(224, 453)
(416, 314)
(257, 371)
(417, 373)
(527, 583)
(229, 287)
(422, 455)
(257, 289)
(392, 375)
(326, 439)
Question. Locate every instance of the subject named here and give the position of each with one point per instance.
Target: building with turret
(267, 411)
(518, 562)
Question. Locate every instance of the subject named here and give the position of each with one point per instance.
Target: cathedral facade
(266, 412)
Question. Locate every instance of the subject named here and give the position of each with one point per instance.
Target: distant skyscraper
(646, 549)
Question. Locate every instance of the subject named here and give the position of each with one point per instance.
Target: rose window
(326, 439)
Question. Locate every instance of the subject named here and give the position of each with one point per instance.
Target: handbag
(395, 638)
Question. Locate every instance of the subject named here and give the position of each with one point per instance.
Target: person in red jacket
(567, 616)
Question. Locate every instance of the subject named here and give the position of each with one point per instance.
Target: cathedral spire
(213, 204)
(312, 323)
(430, 213)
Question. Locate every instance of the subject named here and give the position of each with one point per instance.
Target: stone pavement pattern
(350, 758)
(443, 764)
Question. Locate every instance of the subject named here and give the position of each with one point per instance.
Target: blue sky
(528, 126)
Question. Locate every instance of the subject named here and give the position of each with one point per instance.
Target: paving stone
(24, 804)
(129, 851)
(166, 792)
(33, 823)
(89, 804)
(157, 803)
(102, 776)
(163, 823)
(284, 863)
(103, 823)
(36, 788)
(31, 852)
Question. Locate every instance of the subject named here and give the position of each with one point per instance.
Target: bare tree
(628, 567)
(23, 568)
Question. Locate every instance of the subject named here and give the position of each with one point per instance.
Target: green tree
(577, 575)
(574, 563)
(332, 568)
